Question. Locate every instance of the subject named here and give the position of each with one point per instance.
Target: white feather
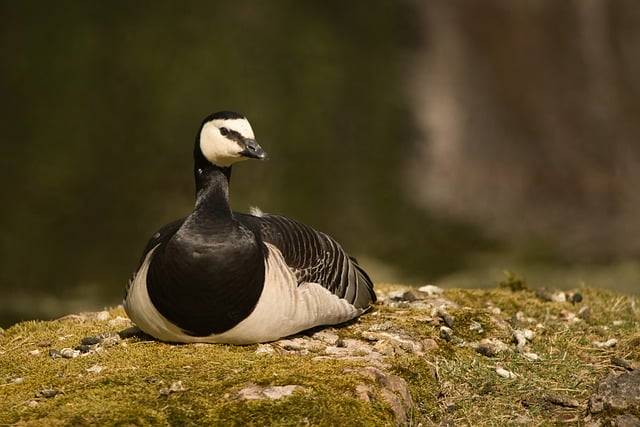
(284, 308)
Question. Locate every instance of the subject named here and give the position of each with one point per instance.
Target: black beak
(253, 150)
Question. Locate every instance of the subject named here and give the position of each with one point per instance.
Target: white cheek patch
(218, 149)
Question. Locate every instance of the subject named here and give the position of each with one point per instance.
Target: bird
(219, 276)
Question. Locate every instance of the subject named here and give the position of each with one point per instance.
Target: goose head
(226, 138)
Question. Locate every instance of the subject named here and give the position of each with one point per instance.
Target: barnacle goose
(225, 277)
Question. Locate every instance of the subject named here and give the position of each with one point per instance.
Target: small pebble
(618, 322)
(563, 401)
(623, 363)
(54, 354)
(528, 334)
(90, 340)
(379, 327)
(476, 326)
(504, 373)
(82, 348)
(446, 333)
(18, 380)
(606, 344)
(34, 352)
(584, 313)
(111, 340)
(431, 290)
(487, 349)
(532, 357)
(559, 297)
(69, 353)
(32, 403)
(519, 338)
(102, 316)
(448, 319)
(47, 393)
(575, 297)
(44, 343)
(175, 387)
(264, 349)
(95, 369)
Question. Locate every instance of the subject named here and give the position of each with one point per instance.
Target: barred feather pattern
(314, 257)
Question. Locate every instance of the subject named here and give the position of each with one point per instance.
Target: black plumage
(208, 269)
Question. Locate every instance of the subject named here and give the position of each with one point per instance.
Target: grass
(451, 382)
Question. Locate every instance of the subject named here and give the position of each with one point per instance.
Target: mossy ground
(450, 382)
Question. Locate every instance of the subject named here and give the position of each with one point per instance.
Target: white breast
(284, 308)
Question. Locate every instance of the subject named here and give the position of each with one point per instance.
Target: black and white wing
(314, 257)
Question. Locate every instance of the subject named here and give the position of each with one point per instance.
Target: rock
(429, 344)
(102, 316)
(446, 317)
(131, 332)
(504, 373)
(35, 352)
(550, 296)
(575, 297)
(264, 349)
(626, 420)
(446, 333)
(379, 327)
(95, 369)
(294, 344)
(617, 393)
(119, 321)
(563, 401)
(90, 340)
(584, 313)
(47, 393)
(431, 290)
(326, 337)
(623, 363)
(606, 344)
(519, 338)
(69, 353)
(476, 326)
(175, 387)
(54, 354)
(44, 343)
(569, 316)
(532, 357)
(618, 322)
(490, 347)
(364, 392)
(395, 392)
(84, 348)
(529, 334)
(256, 392)
(109, 340)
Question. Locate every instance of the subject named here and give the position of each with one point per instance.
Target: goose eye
(224, 131)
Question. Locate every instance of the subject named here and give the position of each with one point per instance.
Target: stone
(69, 353)
(431, 290)
(256, 392)
(90, 340)
(476, 327)
(264, 349)
(617, 393)
(102, 316)
(54, 354)
(490, 347)
(394, 391)
(95, 369)
(47, 393)
(379, 327)
(532, 357)
(446, 317)
(606, 344)
(294, 344)
(504, 373)
(35, 352)
(561, 400)
(364, 392)
(446, 333)
(175, 387)
(326, 337)
(519, 338)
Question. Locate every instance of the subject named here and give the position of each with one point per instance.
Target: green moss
(451, 382)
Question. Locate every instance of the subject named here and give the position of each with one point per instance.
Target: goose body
(225, 277)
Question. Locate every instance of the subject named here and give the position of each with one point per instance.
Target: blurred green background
(439, 141)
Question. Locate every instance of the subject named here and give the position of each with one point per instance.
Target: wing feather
(314, 257)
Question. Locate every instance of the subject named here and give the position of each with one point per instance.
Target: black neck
(212, 186)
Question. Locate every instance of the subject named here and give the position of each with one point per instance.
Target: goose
(219, 276)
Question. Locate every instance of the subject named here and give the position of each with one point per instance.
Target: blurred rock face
(529, 119)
